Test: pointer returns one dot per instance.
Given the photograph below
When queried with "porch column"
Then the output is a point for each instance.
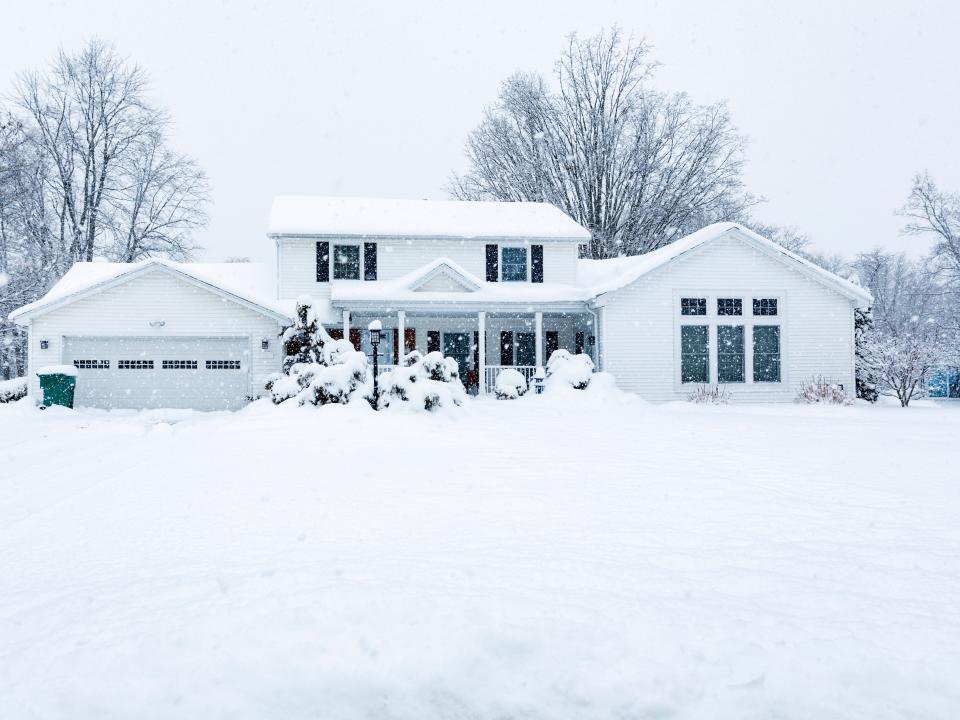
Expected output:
(346, 324)
(482, 351)
(538, 343)
(401, 331)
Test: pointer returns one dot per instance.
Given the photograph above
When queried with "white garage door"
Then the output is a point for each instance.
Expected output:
(153, 372)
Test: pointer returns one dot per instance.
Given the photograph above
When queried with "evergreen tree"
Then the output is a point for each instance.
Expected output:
(866, 382)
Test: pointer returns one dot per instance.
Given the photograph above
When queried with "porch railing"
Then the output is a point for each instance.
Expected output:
(490, 379)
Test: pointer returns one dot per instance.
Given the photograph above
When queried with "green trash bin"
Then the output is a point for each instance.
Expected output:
(58, 383)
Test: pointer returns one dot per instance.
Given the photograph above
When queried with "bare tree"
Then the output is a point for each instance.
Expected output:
(86, 171)
(639, 168)
(161, 204)
(930, 211)
(113, 186)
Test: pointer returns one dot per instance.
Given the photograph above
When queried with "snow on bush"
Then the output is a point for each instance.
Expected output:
(510, 384)
(13, 390)
(707, 395)
(317, 369)
(566, 369)
(423, 382)
(819, 391)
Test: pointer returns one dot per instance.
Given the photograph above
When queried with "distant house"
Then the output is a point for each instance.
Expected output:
(492, 285)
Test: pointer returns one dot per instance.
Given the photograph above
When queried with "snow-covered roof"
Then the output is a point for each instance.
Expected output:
(253, 283)
(604, 276)
(378, 217)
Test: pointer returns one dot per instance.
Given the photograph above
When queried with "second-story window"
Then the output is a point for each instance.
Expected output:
(514, 265)
(346, 262)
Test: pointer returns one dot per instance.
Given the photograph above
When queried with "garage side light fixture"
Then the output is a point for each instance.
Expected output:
(157, 323)
(264, 344)
(44, 344)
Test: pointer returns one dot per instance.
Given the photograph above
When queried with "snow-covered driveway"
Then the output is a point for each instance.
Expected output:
(514, 560)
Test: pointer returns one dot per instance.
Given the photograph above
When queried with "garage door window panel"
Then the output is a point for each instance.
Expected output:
(135, 365)
(222, 364)
(178, 365)
(92, 364)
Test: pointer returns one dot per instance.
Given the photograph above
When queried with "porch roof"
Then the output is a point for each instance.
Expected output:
(472, 292)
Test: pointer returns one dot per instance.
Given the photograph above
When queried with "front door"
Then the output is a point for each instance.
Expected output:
(457, 346)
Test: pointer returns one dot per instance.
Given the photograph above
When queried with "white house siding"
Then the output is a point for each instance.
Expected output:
(297, 258)
(640, 328)
(129, 308)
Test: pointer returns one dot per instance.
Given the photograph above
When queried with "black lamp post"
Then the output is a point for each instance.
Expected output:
(375, 328)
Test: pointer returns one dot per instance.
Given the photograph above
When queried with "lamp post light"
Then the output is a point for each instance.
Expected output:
(375, 328)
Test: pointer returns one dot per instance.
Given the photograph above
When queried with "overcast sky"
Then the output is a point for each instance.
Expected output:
(842, 102)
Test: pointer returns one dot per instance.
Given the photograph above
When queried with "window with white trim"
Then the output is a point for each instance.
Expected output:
(729, 306)
(346, 262)
(695, 353)
(764, 306)
(766, 353)
(513, 264)
(693, 306)
(730, 354)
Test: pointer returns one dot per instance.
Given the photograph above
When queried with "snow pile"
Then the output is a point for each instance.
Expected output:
(820, 391)
(58, 370)
(706, 395)
(510, 384)
(317, 369)
(423, 382)
(567, 370)
(13, 390)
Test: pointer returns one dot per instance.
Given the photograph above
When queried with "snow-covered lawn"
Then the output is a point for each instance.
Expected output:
(522, 559)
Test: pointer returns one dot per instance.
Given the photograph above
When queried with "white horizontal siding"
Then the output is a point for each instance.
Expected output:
(297, 260)
(640, 336)
(129, 308)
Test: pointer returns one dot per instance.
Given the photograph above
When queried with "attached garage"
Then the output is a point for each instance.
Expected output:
(159, 334)
(203, 373)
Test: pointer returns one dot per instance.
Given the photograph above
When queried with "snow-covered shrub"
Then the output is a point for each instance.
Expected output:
(316, 368)
(510, 384)
(817, 390)
(566, 369)
(425, 382)
(710, 395)
(13, 390)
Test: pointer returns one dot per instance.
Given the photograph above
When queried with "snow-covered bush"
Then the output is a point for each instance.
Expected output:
(510, 384)
(316, 368)
(710, 395)
(819, 391)
(13, 390)
(425, 382)
(566, 369)
(900, 364)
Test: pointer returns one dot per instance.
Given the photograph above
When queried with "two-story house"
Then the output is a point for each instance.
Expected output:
(492, 285)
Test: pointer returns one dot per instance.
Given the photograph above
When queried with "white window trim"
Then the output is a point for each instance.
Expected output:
(748, 320)
(333, 259)
(500, 263)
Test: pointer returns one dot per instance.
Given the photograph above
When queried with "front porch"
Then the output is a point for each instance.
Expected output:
(483, 343)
